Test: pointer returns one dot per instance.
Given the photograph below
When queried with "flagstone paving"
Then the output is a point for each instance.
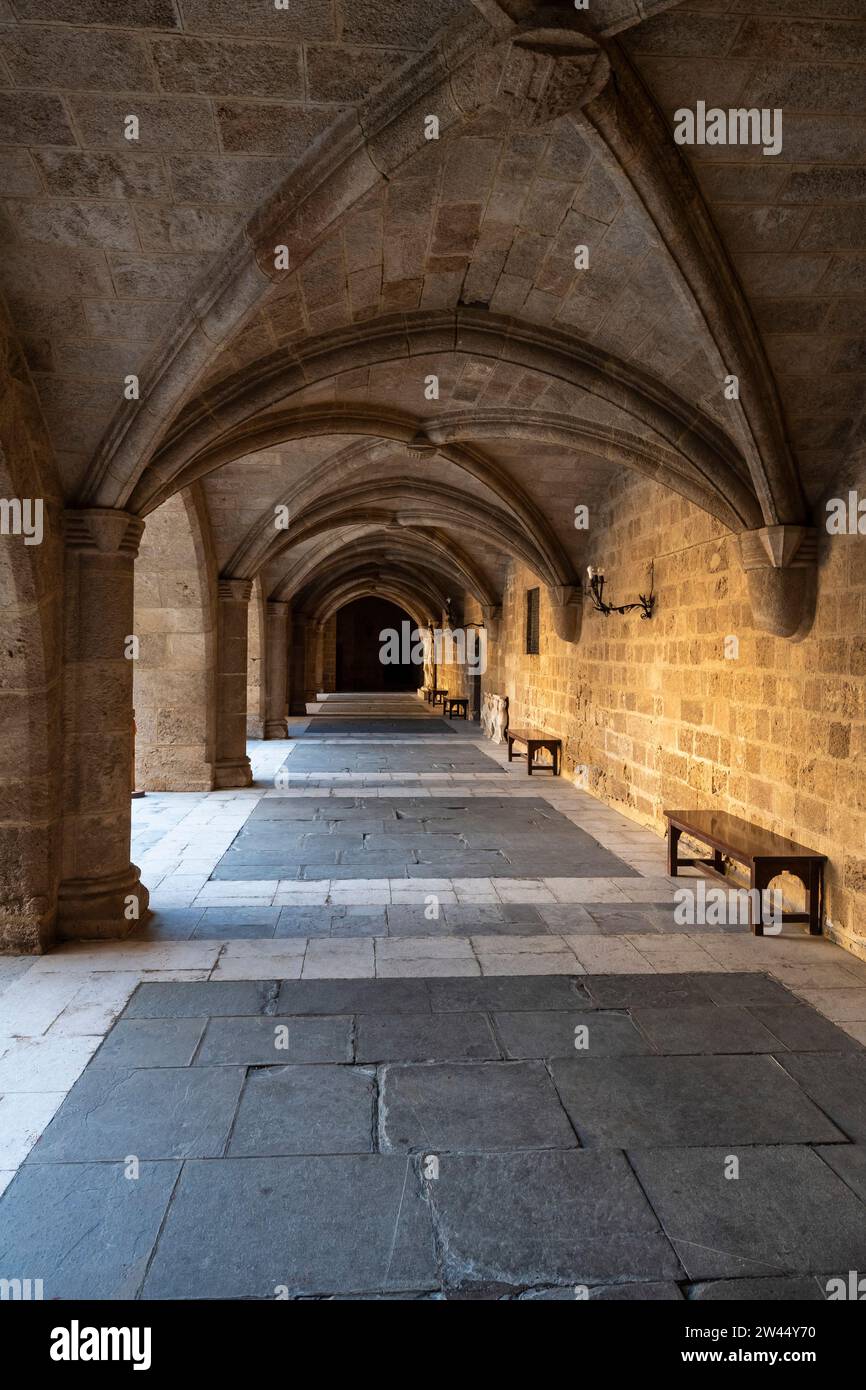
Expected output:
(528, 1137)
(467, 1045)
(486, 837)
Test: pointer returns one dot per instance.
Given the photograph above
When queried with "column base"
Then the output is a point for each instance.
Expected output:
(276, 728)
(232, 772)
(25, 934)
(101, 908)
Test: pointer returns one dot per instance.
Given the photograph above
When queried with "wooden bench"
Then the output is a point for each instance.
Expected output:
(460, 703)
(535, 739)
(434, 695)
(764, 854)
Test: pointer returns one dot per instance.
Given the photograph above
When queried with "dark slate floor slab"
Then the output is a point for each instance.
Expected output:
(568, 917)
(200, 998)
(353, 996)
(806, 1289)
(352, 1224)
(305, 1110)
(238, 917)
(274, 1041)
(224, 931)
(545, 1218)
(414, 837)
(383, 728)
(742, 987)
(307, 921)
(849, 1161)
(836, 1083)
(404, 757)
(85, 1229)
(328, 1202)
(606, 1293)
(554, 1033)
(712, 1029)
(645, 991)
(645, 1101)
(786, 1213)
(454, 1107)
(619, 922)
(413, 921)
(236, 923)
(167, 923)
(501, 920)
(151, 1042)
(424, 1038)
(803, 1029)
(360, 921)
(507, 992)
(152, 1113)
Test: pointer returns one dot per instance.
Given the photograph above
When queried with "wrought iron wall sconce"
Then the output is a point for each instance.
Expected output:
(645, 602)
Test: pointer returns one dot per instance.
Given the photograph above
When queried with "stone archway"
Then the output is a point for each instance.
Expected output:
(360, 624)
(173, 686)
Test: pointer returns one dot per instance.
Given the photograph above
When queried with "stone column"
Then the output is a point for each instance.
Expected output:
(306, 660)
(232, 767)
(276, 669)
(100, 891)
(296, 665)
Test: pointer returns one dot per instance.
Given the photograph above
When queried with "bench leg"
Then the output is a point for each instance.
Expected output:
(674, 834)
(816, 899)
(510, 750)
(759, 878)
(530, 756)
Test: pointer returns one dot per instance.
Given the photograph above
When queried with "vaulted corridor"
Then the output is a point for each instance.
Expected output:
(432, 649)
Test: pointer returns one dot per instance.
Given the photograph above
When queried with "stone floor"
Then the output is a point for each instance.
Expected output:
(370, 837)
(508, 1137)
(378, 955)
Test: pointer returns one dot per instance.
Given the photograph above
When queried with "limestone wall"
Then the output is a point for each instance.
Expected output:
(659, 716)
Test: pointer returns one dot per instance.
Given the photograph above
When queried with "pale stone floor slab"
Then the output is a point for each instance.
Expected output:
(510, 1136)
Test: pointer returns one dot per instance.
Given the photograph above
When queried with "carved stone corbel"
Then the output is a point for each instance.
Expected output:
(492, 616)
(780, 564)
(566, 602)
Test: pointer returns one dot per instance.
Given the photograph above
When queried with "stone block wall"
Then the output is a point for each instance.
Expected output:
(696, 706)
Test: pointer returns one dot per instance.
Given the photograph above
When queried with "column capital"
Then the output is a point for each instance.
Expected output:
(277, 610)
(234, 590)
(102, 531)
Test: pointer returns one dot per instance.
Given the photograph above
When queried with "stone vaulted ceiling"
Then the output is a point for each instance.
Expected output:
(793, 224)
(409, 259)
